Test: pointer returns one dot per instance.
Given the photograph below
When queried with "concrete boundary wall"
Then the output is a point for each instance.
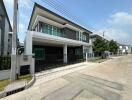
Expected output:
(4, 74)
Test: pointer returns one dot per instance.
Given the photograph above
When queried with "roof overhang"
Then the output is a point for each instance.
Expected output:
(54, 23)
(44, 12)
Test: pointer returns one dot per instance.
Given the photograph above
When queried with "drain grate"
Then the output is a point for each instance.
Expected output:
(14, 91)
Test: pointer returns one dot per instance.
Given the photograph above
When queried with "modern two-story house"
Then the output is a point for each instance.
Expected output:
(5, 29)
(54, 39)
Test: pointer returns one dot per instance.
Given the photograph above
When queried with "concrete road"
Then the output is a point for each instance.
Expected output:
(111, 80)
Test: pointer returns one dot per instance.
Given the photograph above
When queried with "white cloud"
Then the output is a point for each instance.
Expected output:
(120, 27)
(9, 2)
(24, 10)
(21, 27)
(122, 21)
(23, 17)
(24, 3)
(21, 32)
(11, 21)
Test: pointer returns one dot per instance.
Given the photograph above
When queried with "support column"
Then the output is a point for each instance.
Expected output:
(28, 43)
(84, 52)
(65, 53)
(86, 57)
(32, 67)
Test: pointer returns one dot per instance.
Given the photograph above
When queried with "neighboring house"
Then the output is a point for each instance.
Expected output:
(20, 48)
(54, 39)
(93, 37)
(5, 29)
(124, 49)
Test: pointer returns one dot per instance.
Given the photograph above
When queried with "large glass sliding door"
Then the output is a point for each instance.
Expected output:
(80, 36)
(56, 31)
(49, 29)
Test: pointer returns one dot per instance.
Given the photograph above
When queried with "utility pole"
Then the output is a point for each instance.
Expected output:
(103, 34)
(14, 45)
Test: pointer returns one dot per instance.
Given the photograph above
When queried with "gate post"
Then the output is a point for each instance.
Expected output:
(86, 56)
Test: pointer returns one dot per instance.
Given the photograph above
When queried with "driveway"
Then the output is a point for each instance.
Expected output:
(110, 80)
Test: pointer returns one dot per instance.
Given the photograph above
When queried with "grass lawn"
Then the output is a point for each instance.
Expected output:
(25, 77)
(98, 60)
(4, 83)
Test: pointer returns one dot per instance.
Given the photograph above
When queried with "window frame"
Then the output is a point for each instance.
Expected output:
(38, 50)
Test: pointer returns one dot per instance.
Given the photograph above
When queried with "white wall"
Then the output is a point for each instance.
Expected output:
(129, 50)
(6, 37)
(4, 74)
(28, 43)
(87, 49)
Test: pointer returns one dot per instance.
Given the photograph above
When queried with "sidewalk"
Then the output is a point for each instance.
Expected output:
(59, 72)
(50, 81)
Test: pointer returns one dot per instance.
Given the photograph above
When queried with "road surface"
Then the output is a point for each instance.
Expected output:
(110, 80)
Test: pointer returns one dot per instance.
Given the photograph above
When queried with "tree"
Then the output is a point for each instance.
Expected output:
(99, 46)
(113, 47)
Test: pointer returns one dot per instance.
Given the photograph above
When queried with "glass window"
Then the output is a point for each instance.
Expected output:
(49, 29)
(77, 35)
(39, 53)
(84, 37)
(45, 28)
(78, 51)
(80, 36)
(54, 31)
(58, 32)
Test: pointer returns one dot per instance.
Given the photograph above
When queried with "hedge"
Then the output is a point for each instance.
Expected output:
(5, 62)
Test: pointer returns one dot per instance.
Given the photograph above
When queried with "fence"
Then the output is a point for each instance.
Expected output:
(89, 56)
(5, 62)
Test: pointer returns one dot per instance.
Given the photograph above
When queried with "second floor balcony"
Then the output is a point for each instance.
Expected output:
(50, 27)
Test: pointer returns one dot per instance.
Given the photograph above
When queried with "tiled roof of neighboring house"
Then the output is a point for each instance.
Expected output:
(6, 13)
(95, 36)
(41, 7)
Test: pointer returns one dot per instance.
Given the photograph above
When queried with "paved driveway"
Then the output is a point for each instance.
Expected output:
(111, 80)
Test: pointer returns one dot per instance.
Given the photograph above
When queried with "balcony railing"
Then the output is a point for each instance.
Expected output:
(60, 34)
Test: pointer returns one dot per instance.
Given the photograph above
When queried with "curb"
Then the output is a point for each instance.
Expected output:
(28, 85)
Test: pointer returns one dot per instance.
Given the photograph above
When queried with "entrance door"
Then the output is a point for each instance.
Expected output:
(74, 54)
(71, 55)
(39, 53)
(39, 58)
(47, 57)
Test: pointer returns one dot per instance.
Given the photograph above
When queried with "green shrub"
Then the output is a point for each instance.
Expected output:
(5, 62)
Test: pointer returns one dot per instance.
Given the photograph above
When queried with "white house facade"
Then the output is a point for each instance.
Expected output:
(54, 39)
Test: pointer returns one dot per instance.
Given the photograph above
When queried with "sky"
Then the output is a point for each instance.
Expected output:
(113, 17)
